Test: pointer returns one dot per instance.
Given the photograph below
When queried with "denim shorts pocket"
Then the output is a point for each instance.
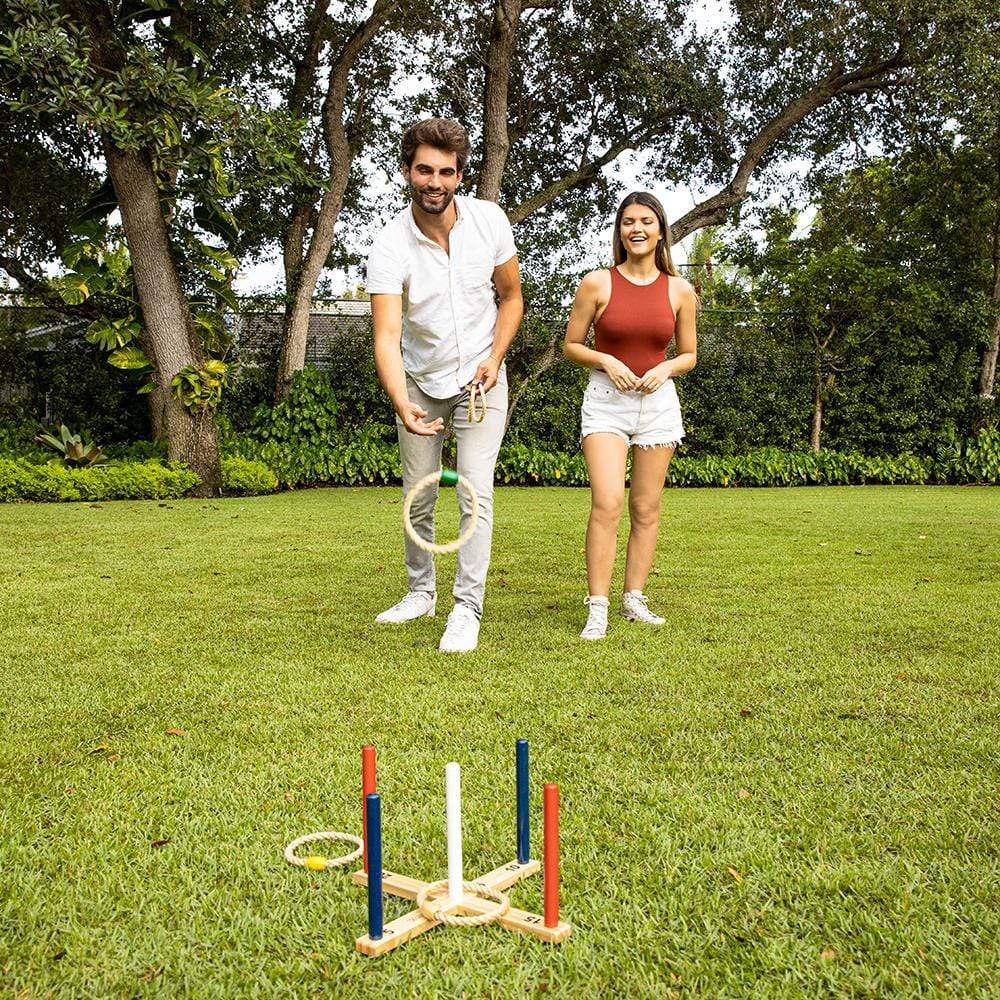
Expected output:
(595, 390)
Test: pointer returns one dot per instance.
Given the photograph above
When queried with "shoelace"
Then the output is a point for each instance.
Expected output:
(643, 606)
(461, 616)
(597, 617)
(410, 600)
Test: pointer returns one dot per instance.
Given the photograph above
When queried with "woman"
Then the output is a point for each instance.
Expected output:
(636, 308)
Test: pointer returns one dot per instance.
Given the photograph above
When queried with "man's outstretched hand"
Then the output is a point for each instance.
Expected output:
(413, 415)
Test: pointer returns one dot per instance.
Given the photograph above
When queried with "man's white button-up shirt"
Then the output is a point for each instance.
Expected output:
(449, 309)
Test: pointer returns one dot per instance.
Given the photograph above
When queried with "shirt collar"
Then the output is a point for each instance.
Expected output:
(415, 229)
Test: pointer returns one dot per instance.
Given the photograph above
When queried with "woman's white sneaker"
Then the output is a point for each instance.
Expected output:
(635, 608)
(461, 634)
(416, 604)
(597, 618)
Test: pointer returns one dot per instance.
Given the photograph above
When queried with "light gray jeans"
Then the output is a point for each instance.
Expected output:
(477, 447)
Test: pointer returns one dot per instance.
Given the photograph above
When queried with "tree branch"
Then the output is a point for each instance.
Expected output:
(496, 138)
(582, 175)
(305, 67)
(714, 210)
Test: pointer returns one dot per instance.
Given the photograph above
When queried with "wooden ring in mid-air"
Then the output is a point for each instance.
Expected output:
(446, 477)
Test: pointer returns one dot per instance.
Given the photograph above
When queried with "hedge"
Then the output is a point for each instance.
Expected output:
(370, 459)
(153, 480)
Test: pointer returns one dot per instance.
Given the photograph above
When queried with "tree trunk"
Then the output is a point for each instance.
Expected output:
(306, 267)
(158, 413)
(817, 417)
(496, 142)
(295, 332)
(988, 371)
(169, 331)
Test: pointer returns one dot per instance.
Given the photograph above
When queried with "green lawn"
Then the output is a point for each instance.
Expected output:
(790, 790)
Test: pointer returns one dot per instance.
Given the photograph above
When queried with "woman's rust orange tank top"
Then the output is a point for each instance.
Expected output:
(638, 322)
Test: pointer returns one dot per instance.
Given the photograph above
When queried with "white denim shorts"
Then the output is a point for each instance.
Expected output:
(642, 419)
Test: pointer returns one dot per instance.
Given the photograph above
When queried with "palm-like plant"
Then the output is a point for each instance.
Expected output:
(72, 449)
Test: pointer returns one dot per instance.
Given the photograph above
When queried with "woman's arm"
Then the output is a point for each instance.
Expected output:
(581, 318)
(685, 334)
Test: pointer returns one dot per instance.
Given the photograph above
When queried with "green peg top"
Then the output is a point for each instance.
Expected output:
(449, 477)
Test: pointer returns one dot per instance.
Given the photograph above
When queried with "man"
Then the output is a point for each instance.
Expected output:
(438, 332)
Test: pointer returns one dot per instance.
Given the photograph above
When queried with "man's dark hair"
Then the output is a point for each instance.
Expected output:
(441, 133)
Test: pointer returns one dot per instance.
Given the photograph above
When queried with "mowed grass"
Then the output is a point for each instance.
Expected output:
(793, 789)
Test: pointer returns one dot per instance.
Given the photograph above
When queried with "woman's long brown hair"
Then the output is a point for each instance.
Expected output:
(664, 259)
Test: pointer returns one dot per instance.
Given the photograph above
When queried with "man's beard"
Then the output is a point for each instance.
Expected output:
(431, 208)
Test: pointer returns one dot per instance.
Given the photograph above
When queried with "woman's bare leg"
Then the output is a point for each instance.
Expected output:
(606, 455)
(649, 470)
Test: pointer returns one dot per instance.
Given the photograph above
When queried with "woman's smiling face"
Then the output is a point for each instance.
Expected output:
(639, 229)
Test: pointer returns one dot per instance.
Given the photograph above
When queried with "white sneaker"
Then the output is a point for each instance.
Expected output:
(597, 618)
(635, 608)
(461, 634)
(416, 604)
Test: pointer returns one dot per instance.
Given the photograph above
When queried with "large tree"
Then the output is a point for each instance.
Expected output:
(131, 82)
(353, 93)
(556, 92)
(332, 69)
(883, 297)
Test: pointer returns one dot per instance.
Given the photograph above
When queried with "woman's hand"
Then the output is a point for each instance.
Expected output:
(654, 378)
(623, 378)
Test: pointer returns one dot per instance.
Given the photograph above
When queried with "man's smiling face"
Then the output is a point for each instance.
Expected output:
(433, 178)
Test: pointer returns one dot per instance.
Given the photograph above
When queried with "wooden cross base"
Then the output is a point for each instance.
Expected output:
(408, 926)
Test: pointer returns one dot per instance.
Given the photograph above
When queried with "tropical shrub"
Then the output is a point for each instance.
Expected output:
(153, 480)
(20, 480)
(246, 477)
(71, 450)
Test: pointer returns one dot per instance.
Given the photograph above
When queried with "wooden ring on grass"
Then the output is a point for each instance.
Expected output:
(448, 478)
(431, 907)
(316, 863)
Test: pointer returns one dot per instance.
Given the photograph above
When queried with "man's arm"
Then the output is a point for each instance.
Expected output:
(387, 320)
(507, 279)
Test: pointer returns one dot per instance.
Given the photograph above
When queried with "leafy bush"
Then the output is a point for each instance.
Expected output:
(137, 451)
(153, 480)
(774, 467)
(245, 477)
(17, 440)
(62, 378)
(523, 465)
(302, 439)
(20, 480)
(368, 458)
(981, 458)
(976, 460)
(365, 457)
(308, 411)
